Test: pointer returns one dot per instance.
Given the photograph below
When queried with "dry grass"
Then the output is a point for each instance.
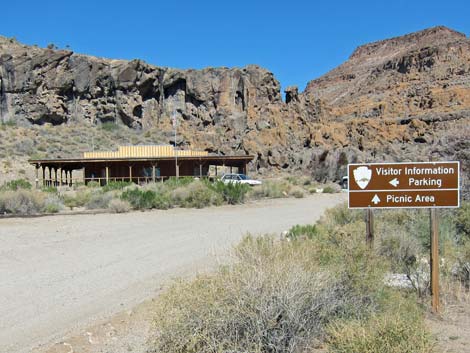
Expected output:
(400, 329)
(275, 297)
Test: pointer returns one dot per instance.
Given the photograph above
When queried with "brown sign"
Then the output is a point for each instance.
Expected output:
(390, 185)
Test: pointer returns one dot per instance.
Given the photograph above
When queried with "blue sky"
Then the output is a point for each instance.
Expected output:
(296, 40)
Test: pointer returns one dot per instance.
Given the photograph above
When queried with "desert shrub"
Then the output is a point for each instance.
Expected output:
(404, 253)
(109, 126)
(274, 297)
(99, 200)
(328, 190)
(299, 180)
(119, 206)
(461, 267)
(173, 182)
(297, 192)
(145, 199)
(116, 185)
(271, 189)
(162, 202)
(49, 189)
(139, 199)
(78, 199)
(22, 202)
(17, 184)
(93, 184)
(340, 215)
(462, 219)
(232, 193)
(400, 329)
(53, 204)
(303, 231)
(196, 194)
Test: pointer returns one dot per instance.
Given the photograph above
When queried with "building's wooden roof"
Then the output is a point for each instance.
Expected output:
(85, 161)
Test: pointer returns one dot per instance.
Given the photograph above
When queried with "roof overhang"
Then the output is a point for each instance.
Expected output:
(85, 161)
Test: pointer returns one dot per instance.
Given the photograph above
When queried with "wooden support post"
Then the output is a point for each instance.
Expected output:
(60, 176)
(153, 173)
(84, 175)
(43, 176)
(49, 181)
(200, 170)
(434, 260)
(215, 170)
(55, 177)
(37, 177)
(130, 173)
(107, 175)
(370, 228)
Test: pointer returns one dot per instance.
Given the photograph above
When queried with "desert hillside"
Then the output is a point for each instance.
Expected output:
(400, 99)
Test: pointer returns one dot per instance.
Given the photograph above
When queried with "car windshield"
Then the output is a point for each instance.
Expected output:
(243, 177)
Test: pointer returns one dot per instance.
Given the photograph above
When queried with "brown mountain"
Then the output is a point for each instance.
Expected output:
(405, 98)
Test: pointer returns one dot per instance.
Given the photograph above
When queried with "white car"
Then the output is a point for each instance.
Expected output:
(239, 179)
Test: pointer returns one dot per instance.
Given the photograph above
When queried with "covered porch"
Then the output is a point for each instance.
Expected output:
(61, 172)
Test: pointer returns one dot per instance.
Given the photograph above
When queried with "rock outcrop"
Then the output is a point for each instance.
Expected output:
(405, 98)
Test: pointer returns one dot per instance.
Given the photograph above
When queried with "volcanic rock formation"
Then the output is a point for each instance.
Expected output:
(401, 99)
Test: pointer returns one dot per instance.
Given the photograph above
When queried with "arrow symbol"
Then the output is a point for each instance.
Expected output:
(394, 182)
(376, 199)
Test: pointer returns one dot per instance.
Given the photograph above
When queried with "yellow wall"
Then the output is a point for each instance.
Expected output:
(144, 152)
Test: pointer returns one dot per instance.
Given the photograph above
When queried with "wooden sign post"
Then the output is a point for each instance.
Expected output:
(370, 228)
(434, 226)
(430, 185)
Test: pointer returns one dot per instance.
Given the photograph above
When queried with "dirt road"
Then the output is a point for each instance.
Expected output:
(61, 273)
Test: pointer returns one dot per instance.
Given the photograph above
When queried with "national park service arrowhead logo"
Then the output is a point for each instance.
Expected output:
(362, 176)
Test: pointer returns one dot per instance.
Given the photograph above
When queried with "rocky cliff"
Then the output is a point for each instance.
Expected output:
(405, 98)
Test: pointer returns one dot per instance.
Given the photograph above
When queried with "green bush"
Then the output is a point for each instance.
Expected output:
(232, 193)
(400, 329)
(196, 194)
(139, 199)
(145, 199)
(298, 231)
(49, 189)
(162, 202)
(78, 199)
(109, 126)
(328, 190)
(17, 184)
(116, 185)
(173, 182)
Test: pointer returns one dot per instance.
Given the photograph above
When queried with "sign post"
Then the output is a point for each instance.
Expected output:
(370, 228)
(434, 260)
(430, 185)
